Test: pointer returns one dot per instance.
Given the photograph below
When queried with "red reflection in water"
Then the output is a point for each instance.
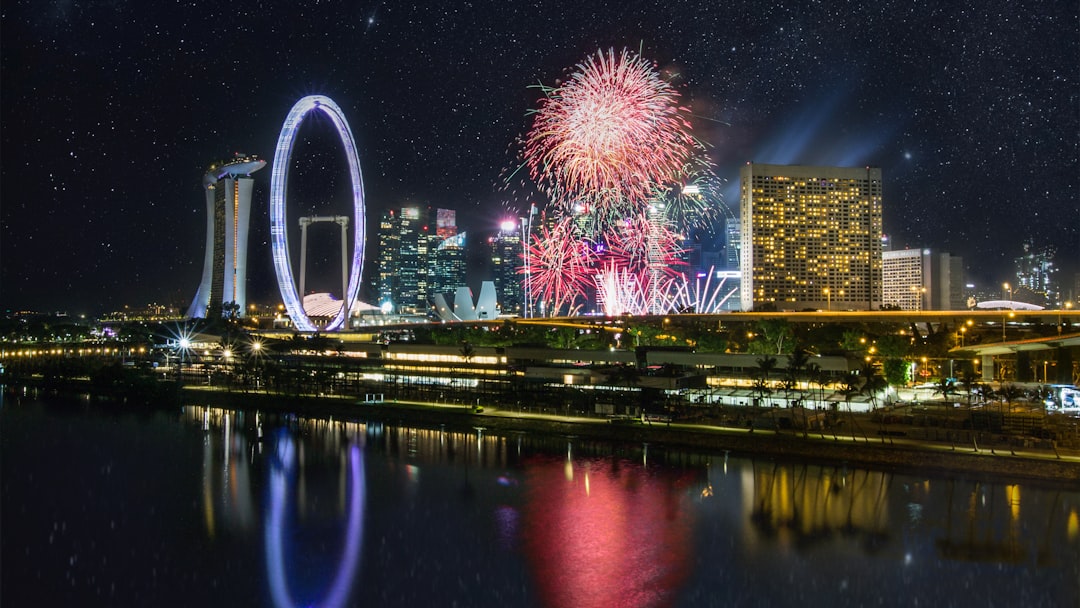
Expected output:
(609, 535)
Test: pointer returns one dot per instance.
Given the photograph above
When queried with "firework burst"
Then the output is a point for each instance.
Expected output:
(645, 240)
(692, 200)
(560, 268)
(609, 136)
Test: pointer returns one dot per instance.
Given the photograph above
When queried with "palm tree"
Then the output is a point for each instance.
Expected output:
(765, 366)
(971, 384)
(873, 383)
(851, 386)
(1010, 393)
(816, 375)
(945, 387)
(797, 362)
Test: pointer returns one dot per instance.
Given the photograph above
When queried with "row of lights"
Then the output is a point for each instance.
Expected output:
(38, 352)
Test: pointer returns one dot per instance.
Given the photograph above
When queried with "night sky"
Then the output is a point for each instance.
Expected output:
(111, 112)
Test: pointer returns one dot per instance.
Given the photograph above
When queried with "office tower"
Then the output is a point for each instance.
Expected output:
(919, 279)
(505, 249)
(446, 267)
(228, 187)
(400, 246)
(1037, 274)
(811, 237)
(389, 250)
(732, 243)
(420, 253)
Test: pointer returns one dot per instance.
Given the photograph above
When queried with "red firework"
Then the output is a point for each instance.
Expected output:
(639, 243)
(558, 270)
(608, 136)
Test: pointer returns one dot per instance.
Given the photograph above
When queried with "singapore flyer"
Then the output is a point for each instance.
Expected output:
(279, 241)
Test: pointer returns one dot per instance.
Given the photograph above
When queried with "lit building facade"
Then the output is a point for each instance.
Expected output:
(919, 279)
(810, 237)
(421, 253)
(228, 187)
(1036, 272)
(447, 264)
(505, 249)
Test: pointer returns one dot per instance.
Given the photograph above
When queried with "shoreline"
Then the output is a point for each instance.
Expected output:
(901, 455)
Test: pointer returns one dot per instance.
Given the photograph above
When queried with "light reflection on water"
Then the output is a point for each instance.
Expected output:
(322, 512)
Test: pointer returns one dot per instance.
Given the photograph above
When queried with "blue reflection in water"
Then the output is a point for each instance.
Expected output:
(282, 478)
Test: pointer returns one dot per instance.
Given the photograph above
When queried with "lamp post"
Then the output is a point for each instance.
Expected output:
(1068, 307)
(828, 298)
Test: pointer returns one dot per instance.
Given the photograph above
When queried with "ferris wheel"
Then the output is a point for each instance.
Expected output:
(279, 241)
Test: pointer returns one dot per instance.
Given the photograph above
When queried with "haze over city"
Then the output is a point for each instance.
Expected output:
(112, 113)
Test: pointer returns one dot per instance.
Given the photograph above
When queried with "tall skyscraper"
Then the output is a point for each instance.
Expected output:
(506, 264)
(1036, 272)
(447, 264)
(919, 279)
(228, 187)
(399, 260)
(811, 237)
(420, 254)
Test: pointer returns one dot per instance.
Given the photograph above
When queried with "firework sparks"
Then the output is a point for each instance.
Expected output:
(619, 292)
(560, 268)
(645, 240)
(613, 151)
(609, 136)
(693, 199)
(699, 296)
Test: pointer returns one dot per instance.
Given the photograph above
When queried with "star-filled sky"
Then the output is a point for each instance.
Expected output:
(111, 112)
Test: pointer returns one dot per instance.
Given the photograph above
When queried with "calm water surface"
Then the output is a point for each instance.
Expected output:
(205, 506)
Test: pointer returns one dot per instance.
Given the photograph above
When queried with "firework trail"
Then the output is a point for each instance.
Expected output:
(560, 271)
(644, 239)
(619, 292)
(609, 136)
(701, 296)
(692, 200)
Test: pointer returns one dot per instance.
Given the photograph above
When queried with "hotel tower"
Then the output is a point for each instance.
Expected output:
(811, 237)
(228, 210)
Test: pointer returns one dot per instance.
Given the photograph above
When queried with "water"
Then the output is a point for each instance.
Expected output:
(104, 507)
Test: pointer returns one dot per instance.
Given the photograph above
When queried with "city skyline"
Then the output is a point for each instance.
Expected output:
(969, 110)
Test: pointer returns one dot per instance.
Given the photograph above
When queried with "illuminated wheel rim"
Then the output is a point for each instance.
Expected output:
(279, 240)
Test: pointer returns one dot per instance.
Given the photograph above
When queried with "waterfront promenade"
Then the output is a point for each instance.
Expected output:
(907, 447)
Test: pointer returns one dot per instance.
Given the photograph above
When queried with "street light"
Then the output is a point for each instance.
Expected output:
(1068, 307)
(828, 297)
(920, 293)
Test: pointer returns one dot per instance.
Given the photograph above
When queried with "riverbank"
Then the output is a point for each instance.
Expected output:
(1058, 467)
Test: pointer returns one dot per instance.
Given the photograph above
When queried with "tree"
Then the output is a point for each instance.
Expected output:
(773, 337)
(851, 386)
(712, 342)
(971, 383)
(467, 352)
(762, 387)
(945, 387)
(1009, 393)
(873, 382)
(819, 377)
(796, 363)
(894, 349)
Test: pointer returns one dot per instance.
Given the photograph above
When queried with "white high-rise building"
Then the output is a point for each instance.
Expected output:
(919, 279)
